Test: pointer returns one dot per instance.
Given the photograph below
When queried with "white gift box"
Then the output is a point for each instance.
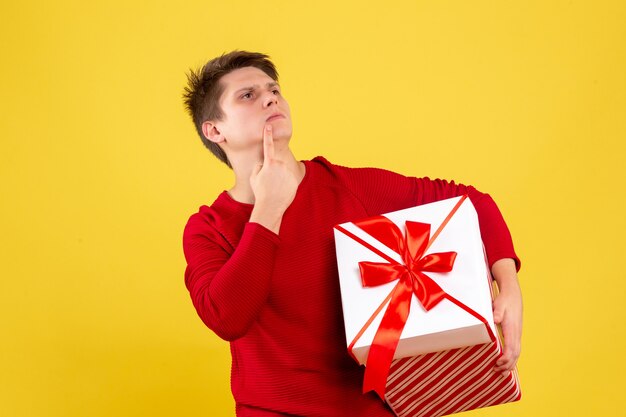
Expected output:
(448, 325)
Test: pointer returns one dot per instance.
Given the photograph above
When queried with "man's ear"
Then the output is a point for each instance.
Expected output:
(211, 132)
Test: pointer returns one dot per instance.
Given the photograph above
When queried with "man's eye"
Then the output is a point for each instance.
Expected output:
(276, 92)
(247, 95)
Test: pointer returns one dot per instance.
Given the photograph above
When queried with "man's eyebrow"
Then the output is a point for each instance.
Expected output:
(255, 86)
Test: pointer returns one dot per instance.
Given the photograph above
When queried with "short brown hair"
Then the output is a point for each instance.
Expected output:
(204, 90)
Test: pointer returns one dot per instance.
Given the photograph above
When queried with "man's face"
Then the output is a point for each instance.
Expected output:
(250, 100)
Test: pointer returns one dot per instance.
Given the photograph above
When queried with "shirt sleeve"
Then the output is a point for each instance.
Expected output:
(228, 290)
(382, 191)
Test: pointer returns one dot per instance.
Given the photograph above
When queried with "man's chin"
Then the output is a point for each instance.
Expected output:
(281, 134)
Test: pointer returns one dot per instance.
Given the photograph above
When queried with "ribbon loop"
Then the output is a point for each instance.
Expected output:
(376, 273)
(385, 231)
(417, 235)
(437, 262)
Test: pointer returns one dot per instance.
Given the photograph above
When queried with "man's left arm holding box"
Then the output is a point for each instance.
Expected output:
(381, 191)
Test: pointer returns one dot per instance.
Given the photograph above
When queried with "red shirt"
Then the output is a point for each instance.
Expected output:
(276, 297)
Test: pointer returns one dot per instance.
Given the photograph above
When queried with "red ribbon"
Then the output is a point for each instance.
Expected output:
(411, 280)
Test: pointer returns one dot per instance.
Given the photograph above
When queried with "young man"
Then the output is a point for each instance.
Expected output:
(261, 266)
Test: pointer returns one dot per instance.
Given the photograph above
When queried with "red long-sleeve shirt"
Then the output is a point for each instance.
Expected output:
(276, 297)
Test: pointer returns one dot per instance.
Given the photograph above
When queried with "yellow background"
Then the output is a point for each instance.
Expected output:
(101, 168)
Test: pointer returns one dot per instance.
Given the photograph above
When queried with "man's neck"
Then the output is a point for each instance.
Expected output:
(242, 191)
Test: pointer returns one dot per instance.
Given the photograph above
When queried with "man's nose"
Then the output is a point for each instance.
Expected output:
(270, 99)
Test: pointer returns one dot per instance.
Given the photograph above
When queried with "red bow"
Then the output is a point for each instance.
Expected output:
(411, 280)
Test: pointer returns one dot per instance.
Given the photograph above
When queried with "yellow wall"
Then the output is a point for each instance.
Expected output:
(100, 169)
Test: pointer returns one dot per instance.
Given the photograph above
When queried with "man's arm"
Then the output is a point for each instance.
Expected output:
(507, 311)
(228, 291)
(382, 191)
(273, 185)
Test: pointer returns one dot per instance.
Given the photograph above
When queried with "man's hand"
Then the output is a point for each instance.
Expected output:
(507, 311)
(273, 184)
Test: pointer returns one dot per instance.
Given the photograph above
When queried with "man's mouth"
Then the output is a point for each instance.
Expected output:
(275, 116)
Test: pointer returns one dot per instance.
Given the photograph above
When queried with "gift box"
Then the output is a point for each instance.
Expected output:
(417, 306)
